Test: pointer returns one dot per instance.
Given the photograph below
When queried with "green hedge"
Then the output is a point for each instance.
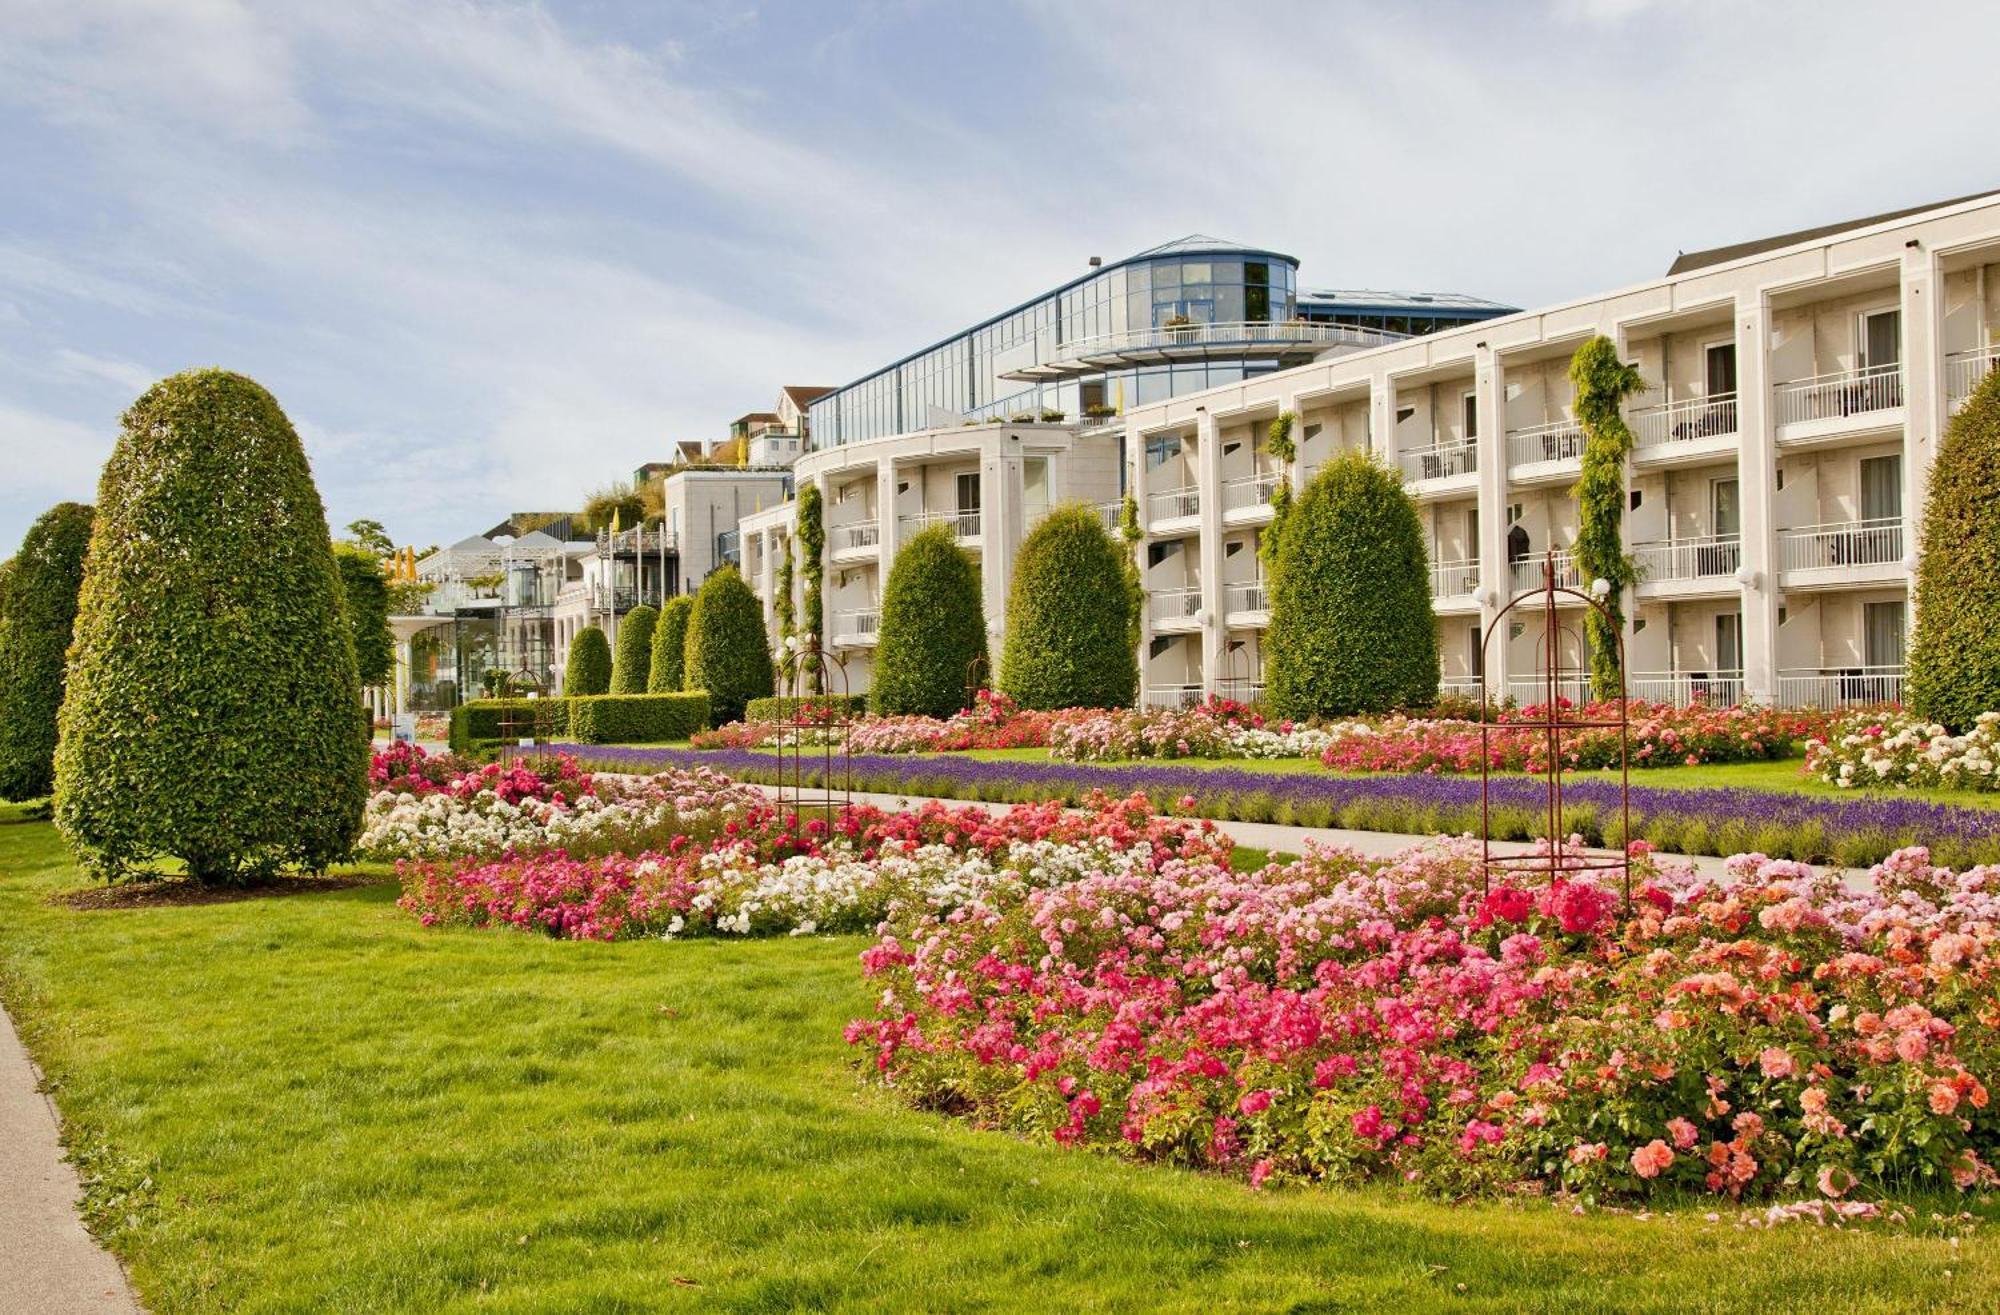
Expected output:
(728, 652)
(37, 616)
(634, 663)
(1955, 654)
(781, 708)
(484, 721)
(637, 718)
(933, 628)
(588, 670)
(364, 599)
(1069, 636)
(670, 646)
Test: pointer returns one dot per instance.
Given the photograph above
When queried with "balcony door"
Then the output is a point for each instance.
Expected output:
(1720, 365)
(1725, 508)
(1882, 626)
(1882, 489)
(1729, 643)
(1881, 339)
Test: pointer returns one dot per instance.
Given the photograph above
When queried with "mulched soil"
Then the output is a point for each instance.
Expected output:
(170, 892)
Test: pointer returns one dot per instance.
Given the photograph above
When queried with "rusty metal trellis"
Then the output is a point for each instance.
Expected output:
(977, 674)
(829, 723)
(527, 720)
(1236, 680)
(1553, 860)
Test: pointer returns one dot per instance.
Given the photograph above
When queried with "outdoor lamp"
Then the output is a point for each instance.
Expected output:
(1601, 587)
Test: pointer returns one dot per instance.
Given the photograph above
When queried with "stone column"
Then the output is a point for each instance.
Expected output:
(1757, 483)
(1208, 485)
(1490, 390)
(1925, 410)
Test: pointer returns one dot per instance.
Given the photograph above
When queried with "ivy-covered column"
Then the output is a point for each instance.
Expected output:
(1603, 381)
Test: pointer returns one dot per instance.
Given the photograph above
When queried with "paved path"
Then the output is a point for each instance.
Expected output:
(48, 1264)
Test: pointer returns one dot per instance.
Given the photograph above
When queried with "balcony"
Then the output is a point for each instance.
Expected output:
(1173, 504)
(1290, 342)
(1112, 514)
(1457, 579)
(729, 548)
(1702, 558)
(1842, 547)
(1526, 574)
(1660, 432)
(1964, 371)
(1174, 608)
(1442, 461)
(1558, 440)
(1720, 689)
(1249, 596)
(964, 524)
(1250, 492)
(857, 626)
(1573, 686)
(1827, 404)
(1840, 688)
(1459, 686)
(1172, 696)
(857, 538)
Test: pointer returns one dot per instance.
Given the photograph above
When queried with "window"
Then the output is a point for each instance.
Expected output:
(1882, 489)
(1472, 532)
(1720, 366)
(1469, 414)
(1882, 634)
(1881, 339)
(1475, 651)
(968, 491)
(1729, 641)
(1725, 508)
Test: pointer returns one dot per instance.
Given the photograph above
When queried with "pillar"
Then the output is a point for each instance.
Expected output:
(1757, 479)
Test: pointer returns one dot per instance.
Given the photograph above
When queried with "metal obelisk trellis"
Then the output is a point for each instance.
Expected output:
(808, 667)
(1554, 861)
(976, 677)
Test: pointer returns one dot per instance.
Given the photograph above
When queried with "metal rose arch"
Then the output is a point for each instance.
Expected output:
(1553, 861)
(828, 725)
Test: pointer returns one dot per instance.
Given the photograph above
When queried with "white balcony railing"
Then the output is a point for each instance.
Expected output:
(1439, 462)
(1250, 596)
(1172, 696)
(1854, 543)
(1165, 341)
(1558, 440)
(1840, 687)
(1173, 504)
(1455, 579)
(964, 524)
(1688, 559)
(1841, 393)
(1526, 574)
(857, 626)
(1964, 370)
(1250, 491)
(1463, 686)
(1713, 416)
(1166, 606)
(1573, 686)
(1112, 514)
(850, 537)
(1718, 689)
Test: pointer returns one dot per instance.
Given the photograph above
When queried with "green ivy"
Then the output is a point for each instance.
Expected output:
(1603, 382)
(364, 594)
(787, 610)
(933, 628)
(1955, 654)
(632, 667)
(37, 616)
(1130, 535)
(588, 670)
(668, 674)
(1065, 648)
(812, 551)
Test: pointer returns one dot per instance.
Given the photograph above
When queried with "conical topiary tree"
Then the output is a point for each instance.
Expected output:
(212, 712)
(728, 653)
(1603, 382)
(588, 670)
(1068, 641)
(1351, 624)
(669, 670)
(633, 667)
(37, 614)
(1954, 663)
(364, 596)
(933, 628)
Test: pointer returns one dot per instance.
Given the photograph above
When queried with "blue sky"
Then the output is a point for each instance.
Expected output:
(490, 256)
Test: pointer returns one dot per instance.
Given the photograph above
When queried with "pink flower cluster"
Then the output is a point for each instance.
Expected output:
(402, 768)
(1337, 1018)
(993, 722)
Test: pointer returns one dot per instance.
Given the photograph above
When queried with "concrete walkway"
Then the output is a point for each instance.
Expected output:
(48, 1264)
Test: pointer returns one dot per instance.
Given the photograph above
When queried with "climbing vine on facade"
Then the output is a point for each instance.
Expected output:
(1602, 383)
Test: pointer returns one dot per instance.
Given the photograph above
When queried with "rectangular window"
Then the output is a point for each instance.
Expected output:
(1882, 634)
(1721, 368)
(968, 491)
(1729, 642)
(1469, 415)
(1882, 489)
(1725, 508)
(1881, 339)
(1475, 652)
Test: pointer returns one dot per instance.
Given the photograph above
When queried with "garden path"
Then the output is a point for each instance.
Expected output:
(48, 1263)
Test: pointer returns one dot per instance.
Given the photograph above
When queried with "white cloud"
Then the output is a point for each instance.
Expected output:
(130, 376)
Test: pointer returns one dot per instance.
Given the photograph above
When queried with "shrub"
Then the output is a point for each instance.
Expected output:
(728, 653)
(1603, 382)
(37, 613)
(783, 708)
(589, 668)
(632, 672)
(1351, 625)
(933, 628)
(485, 722)
(364, 596)
(1955, 655)
(670, 646)
(1068, 617)
(637, 718)
(213, 713)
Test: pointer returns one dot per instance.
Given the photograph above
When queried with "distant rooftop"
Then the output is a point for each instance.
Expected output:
(1195, 244)
(1361, 298)
(1693, 260)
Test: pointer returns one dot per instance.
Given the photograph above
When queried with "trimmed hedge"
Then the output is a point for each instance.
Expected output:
(1351, 623)
(212, 711)
(933, 628)
(1068, 639)
(669, 669)
(728, 652)
(588, 670)
(1955, 654)
(634, 665)
(482, 722)
(37, 615)
(637, 718)
(783, 708)
(364, 599)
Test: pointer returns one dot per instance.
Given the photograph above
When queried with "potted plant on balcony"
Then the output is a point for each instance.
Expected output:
(1099, 411)
(1179, 327)
(1050, 416)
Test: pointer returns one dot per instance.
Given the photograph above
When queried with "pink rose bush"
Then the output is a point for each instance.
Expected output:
(1216, 729)
(1892, 749)
(993, 722)
(1347, 1019)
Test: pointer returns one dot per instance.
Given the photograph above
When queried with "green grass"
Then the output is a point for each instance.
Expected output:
(312, 1104)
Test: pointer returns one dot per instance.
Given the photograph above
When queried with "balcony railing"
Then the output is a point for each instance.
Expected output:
(1464, 686)
(1713, 416)
(1841, 393)
(1250, 491)
(1250, 596)
(964, 524)
(1112, 514)
(1455, 579)
(1167, 606)
(1558, 440)
(1172, 696)
(1964, 370)
(1164, 342)
(1575, 687)
(638, 539)
(1526, 574)
(1840, 687)
(1173, 504)
(1854, 543)
(1439, 462)
(1688, 559)
(1718, 689)
(857, 625)
(854, 537)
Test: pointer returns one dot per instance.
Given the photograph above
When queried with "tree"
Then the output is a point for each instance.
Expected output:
(588, 670)
(1603, 382)
(933, 628)
(812, 555)
(364, 594)
(1351, 624)
(370, 536)
(37, 615)
(213, 713)
(618, 502)
(1954, 667)
(633, 670)
(1068, 618)
(668, 674)
(728, 653)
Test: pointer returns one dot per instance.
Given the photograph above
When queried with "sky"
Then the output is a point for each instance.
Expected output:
(491, 256)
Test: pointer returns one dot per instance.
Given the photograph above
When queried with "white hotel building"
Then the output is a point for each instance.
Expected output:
(1798, 387)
